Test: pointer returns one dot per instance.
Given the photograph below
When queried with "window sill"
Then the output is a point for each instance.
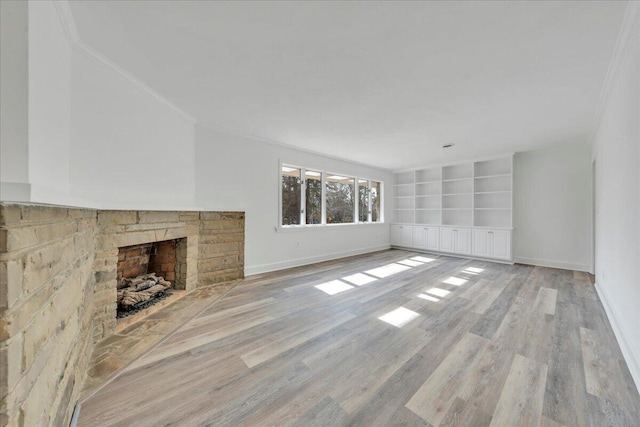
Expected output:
(296, 228)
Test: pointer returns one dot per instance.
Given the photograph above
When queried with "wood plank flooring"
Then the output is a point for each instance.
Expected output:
(391, 338)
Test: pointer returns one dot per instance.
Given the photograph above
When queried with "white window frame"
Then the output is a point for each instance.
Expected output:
(324, 224)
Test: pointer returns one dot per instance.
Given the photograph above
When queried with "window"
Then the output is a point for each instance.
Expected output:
(376, 199)
(340, 198)
(368, 201)
(291, 195)
(314, 197)
(363, 200)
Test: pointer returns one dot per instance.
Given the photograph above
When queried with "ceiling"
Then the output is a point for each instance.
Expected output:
(384, 83)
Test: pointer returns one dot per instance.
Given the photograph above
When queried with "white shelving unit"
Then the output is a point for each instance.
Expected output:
(404, 197)
(457, 195)
(492, 200)
(429, 196)
(467, 205)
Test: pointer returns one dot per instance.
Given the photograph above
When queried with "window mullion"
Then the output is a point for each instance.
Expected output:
(369, 206)
(356, 200)
(303, 196)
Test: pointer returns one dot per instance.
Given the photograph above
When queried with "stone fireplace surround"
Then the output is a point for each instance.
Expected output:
(58, 291)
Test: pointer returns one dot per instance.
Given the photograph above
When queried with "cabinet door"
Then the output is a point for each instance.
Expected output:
(432, 238)
(481, 243)
(447, 239)
(463, 241)
(396, 235)
(501, 247)
(407, 235)
(419, 235)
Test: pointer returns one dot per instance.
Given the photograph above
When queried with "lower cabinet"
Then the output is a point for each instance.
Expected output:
(456, 240)
(425, 237)
(402, 235)
(492, 244)
(477, 242)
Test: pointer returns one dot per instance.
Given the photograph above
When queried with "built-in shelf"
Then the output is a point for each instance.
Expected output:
(474, 194)
(492, 176)
(457, 179)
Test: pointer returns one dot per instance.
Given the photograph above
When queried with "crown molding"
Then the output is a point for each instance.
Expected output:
(68, 24)
(630, 24)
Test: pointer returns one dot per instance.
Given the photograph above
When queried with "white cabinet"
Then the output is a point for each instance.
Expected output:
(426, 238)
(492, 243)
(456, 240)
(402, 235)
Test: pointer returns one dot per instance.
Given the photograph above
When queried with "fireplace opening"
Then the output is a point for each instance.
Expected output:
(148, 273)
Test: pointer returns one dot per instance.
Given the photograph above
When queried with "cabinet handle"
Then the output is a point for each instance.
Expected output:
(455, 229)
(491, 232)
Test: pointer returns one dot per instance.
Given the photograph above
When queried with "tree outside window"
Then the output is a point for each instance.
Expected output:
(313, 196)
(340, 192)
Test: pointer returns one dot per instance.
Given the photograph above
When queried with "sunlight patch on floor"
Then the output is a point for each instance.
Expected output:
(387, 270)
(333, 287)
(455, 281)
(410, 263)
(428, 297)
(438, 292)
(359, 279)
(422, 259)
(399, 317)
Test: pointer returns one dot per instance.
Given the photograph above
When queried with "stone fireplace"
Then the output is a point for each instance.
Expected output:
(142, 272)
(58, 289)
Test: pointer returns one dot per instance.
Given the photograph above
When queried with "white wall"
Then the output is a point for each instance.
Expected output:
(78, 130)
(617, 155)
(238, 173)
(49, 99)
(14, 86)
(128, 149)
(552, 206)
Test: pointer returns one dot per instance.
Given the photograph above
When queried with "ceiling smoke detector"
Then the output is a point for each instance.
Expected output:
(448, 145)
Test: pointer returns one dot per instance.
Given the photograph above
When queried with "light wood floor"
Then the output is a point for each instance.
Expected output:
(391, 338)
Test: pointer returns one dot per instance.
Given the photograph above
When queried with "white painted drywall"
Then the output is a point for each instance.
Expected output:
(128, 149)
(76, 131)
(239, 173)
(14, 132)
(617, 155)
(552, 206)
(49, 99)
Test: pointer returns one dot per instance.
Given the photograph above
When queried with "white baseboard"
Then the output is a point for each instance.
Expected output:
(264, 268)
(633, 360)
(552, 263)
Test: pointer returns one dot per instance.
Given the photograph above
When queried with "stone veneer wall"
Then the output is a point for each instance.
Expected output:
(46, 300)
(58, 291)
